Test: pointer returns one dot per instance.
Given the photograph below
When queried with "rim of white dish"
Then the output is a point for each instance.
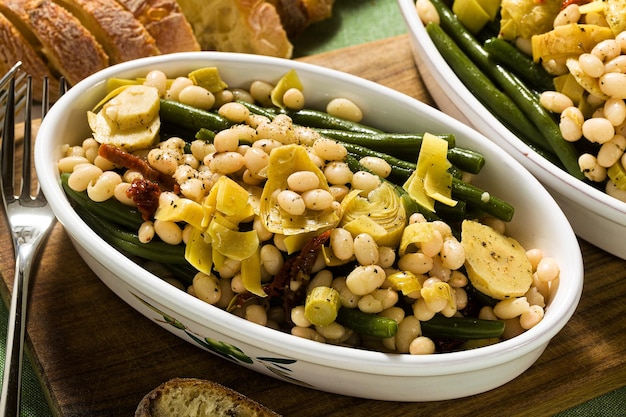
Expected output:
(578, 191)
(275, 341)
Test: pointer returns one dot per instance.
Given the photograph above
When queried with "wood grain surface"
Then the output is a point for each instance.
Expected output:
(97, 357)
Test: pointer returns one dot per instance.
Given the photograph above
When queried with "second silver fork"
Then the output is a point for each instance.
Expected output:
(30, 220)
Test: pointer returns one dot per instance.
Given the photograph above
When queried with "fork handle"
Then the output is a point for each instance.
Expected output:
(12, 378)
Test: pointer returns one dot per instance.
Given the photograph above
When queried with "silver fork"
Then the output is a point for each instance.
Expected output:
(30, 220)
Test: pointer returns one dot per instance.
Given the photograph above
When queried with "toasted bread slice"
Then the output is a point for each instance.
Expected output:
(69, 48)
(166, 23)
(13, 48)
(122, 36)
(200, 398)
(249, 26)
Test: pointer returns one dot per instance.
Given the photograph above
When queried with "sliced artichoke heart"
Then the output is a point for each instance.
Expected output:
(414, 235)
(381, 214)
(231, 243)
(284, 161)
(198, 252)
(182, 210)
(287, 81)
(431, 180)
(129, 120)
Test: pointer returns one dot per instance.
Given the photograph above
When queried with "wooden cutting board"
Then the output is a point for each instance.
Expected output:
(97, 357)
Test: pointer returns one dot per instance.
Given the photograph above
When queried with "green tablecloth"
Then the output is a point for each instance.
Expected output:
(354, 22)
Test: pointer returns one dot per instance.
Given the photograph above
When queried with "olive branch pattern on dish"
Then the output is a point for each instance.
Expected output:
(278, 366)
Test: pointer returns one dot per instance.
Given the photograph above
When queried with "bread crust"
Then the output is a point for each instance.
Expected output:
(13, 48)
(248, 26)
(122, 36)
(166, 22)
(198, 397)
(70, 49)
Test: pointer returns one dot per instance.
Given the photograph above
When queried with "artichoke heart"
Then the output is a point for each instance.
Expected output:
(231, 243)
(381, 214)
(284, 161)
(287, 81)
(129, 120)
(415, 234)
(431, 180)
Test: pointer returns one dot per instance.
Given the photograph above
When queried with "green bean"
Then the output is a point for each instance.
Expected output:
(482, 200)
(110, 210)
(320, 119)
(269, 112)
(390, 143)
(129, 242)
(520, 64)
(484, 89)
(512, 86)
(366, 323)
(191, 118)
(461, 328)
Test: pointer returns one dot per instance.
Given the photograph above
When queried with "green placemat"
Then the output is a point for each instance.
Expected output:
(353, 22)
(34, 403)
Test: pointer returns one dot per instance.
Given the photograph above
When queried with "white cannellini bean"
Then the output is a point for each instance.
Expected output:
(235, 112)
(511, 307)
(317, 199)
(365, 181)
(82, 176)
(610, 152)
(613, 84)
(291, 202)
(196, 96)
(377, 165)
(554, 101)
(168, 231)
(426, 11)
(571, 124)
(226, 162)
(365, 279)
(342, 243)
(365, 249)
(120, 194)
(177, 86)
(302, 181)
(338, 173)
(548, 269)
(293, 99)
(207, 288)
(614, 110)
(617, 64)
(532, 317)
(158, 80)
(570, 14)
(104, 187)
(591, 65)
(598, 130)
(607, 49)
(146, 232)
(344, 108)
(329, 150)
(589, 166)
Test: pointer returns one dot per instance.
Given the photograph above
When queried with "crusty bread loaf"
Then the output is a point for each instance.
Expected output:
(250, 26)
(120, 33)
(297, 15)
(75, 38)
(69, 48)
(199, 398)
(14, 48)
(166, 23)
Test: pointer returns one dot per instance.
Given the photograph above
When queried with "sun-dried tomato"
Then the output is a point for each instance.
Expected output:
(145, 194)
(127, 160)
